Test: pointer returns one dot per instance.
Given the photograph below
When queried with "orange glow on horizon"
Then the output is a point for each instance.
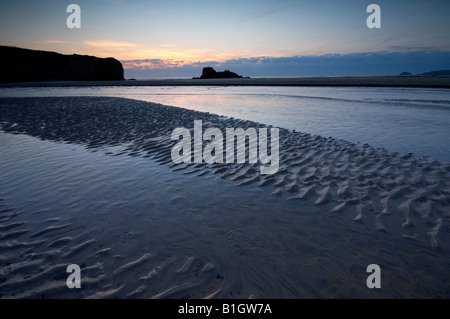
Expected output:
(136, 55)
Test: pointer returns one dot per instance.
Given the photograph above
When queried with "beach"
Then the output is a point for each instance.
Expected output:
(91, 181)
(403, 120)
(224, 158)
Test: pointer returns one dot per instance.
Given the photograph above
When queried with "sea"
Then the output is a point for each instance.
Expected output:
(403, 120)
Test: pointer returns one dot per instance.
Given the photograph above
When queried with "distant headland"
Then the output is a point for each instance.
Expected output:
(431, 73)
(210, 73)
(24, 65)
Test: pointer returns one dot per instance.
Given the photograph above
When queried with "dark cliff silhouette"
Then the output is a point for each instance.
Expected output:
(210, 73)
(24, 65)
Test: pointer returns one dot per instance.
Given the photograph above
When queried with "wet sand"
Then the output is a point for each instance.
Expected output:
(91, 181)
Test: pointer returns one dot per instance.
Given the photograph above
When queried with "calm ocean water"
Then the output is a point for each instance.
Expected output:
(401, 120)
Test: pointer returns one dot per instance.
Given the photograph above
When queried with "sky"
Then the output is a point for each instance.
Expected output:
(253, 38)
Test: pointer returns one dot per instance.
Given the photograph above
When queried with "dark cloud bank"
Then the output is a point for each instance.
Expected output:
(355, 64)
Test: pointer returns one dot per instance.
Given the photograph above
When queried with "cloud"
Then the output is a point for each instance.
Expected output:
(404, 48)
(266, 13)
(96, 27)
(110, 44)
(50, 41)
(353, 64)
(149, 64)
(153, 12)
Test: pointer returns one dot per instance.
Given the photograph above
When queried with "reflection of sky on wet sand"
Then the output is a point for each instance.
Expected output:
(400, 120)
(255, 244)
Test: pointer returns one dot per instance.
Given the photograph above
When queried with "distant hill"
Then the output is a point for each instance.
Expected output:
(437, 73)
(405, 73)
(210, 73)
(24, 65)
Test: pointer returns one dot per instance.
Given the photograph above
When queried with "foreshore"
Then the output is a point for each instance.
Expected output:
(90, 181)
(350, 81)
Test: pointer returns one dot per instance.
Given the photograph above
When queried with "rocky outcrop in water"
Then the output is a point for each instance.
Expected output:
(210, 73)
(24, 65)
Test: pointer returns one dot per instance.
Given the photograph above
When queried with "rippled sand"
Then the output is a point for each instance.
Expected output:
(90, 181)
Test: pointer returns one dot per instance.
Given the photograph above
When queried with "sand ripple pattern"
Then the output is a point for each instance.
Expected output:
(34, 266)
(383, 190)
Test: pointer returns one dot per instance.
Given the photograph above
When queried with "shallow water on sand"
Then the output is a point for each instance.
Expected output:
(403, 120)
(140, 230)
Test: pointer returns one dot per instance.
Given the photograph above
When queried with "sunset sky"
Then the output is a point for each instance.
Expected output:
(262, 37)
